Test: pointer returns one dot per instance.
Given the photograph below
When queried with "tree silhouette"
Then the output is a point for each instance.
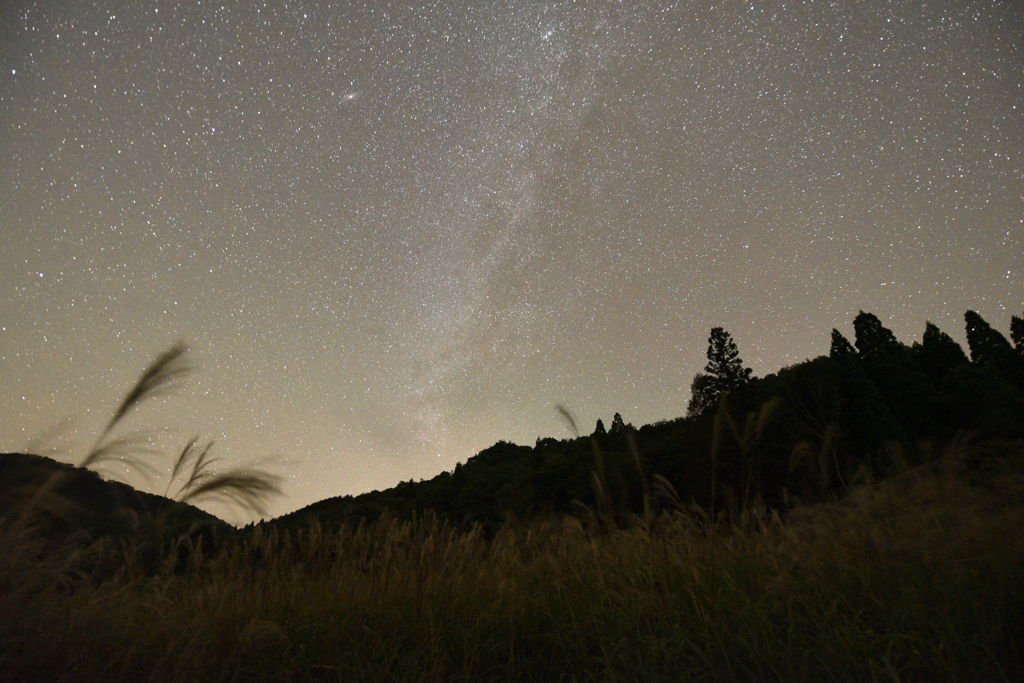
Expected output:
(703, 394)
(833, 423)
(874, 340)
(1017, 333)
(723, 373)
(619, 426)
(724, 363)
(841, 347)
(938, 353)
(988, 346)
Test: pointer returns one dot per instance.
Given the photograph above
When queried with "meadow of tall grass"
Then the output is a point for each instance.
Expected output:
(917, 578)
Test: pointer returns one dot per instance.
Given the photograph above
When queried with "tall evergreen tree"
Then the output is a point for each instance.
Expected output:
(1017, 333)
(599, 430)
(619, 425)
(841, 347)
(988, 345)
(873, 339)
(937, 352)
(724, 372)
(724, 362)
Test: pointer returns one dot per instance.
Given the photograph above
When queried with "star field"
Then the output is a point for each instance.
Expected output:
(393, 234)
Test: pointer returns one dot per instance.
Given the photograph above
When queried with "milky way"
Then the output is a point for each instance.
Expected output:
(392, 234)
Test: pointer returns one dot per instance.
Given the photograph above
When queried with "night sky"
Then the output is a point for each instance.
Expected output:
(393, 234)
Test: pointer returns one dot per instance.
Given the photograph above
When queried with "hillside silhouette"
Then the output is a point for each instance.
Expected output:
(852, 517)
(82, 501)
(867, 410)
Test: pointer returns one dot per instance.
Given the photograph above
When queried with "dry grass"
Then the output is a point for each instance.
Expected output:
(915, 579)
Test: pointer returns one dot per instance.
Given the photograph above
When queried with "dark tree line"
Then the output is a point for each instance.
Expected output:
(864, 411)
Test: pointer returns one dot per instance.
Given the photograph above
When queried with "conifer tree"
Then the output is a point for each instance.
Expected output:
(618, 425)
(988, 346)
(874, 340)
(599, 430)
(841, 347)
(723, 373)
(1017, 333)
(724, 363)
(938, 353)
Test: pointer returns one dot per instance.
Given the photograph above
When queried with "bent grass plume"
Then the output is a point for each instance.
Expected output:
(568, 418)
(597, 476)
(248, 486)
(162, 376)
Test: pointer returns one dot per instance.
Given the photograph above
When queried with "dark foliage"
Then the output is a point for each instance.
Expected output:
(724, 362)
(619, 425)
(61, 504)
(703, 395)
(841, 347)
(79, 498)
(874, 341)
(802, 434)
(937, 353)
(989, 347)
(724, 373)
(831, 411)
(1017, 333)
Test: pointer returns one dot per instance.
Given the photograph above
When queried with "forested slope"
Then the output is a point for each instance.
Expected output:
(869, 409)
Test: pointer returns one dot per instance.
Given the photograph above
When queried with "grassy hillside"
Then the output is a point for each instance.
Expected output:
(801, 435)
(918, 578)
(77, 498)
(854, 517)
